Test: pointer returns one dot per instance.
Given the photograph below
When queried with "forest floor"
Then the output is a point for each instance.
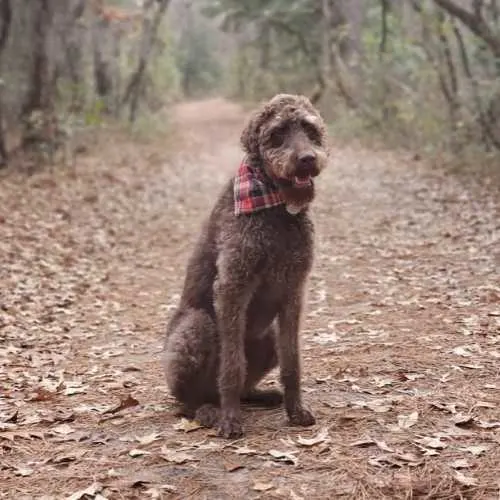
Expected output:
(401, 342)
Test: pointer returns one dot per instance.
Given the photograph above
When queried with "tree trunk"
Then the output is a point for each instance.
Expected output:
(5, 19)
(149, 31)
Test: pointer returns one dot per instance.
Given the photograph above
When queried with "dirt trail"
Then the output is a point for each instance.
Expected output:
(401, 341)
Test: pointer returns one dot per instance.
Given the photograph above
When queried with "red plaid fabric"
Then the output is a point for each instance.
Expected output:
(254, 191)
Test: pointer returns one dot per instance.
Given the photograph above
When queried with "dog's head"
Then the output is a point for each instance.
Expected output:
(287, 138)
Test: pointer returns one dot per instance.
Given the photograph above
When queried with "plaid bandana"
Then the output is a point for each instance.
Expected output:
(254, 191)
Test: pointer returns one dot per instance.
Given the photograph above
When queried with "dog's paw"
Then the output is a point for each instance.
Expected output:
(301, 416)
(207, 415)
(230, 427)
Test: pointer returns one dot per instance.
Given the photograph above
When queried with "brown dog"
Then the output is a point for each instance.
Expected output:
(248, 272)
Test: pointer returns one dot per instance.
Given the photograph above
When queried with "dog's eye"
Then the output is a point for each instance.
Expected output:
(277, 137)
(312, 132)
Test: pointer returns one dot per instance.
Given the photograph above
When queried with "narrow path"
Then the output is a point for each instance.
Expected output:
(401, 341)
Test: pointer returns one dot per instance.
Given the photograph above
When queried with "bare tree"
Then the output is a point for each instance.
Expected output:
(5, 20)
(149, 33)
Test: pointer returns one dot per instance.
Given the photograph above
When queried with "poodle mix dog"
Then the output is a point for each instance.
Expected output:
(239, 314)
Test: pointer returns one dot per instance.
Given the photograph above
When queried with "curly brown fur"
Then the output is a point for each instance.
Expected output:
(240, 310)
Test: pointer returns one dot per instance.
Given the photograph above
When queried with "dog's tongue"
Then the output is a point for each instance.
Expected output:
(302, 181)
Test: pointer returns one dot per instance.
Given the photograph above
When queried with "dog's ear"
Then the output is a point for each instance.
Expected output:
(251, 133)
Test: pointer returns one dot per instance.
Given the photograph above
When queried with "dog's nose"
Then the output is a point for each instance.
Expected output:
(306, 161)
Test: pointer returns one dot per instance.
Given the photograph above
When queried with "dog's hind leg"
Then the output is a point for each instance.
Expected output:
(190, 360)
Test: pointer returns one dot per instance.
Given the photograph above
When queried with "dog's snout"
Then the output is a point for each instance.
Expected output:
(306, 162)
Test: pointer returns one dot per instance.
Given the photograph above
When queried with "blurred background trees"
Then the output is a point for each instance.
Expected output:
(422, 73)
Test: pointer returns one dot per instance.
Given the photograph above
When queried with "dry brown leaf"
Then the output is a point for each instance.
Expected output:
(23, 471)
(395, 460)
(232, 466)
(488, 424)
(407, 421)
(63, 429)
(93, 490)
(42, 395)
(148, 438)
(383, 446)
(262, 486)
(125, 403)
(12, 419)
(465, 480)
(245, 450)
(363, 442)
(449, 407)
(476, 450)
(460, 463)
(462, 420)
(136, 452)
(186, 425)
(432, 442)
(462, 351)
(175, 456)
(294, 496)
(321, 437)
(283, 456)
(71, 391)
(63, 458)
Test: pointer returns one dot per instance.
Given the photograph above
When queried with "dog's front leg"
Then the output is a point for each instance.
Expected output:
(289, 357)
(231, 301)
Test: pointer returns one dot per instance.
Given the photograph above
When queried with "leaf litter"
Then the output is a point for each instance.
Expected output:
(84, 307)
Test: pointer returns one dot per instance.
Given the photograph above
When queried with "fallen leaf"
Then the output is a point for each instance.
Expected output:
(459, 463)
(378, 407)
(244, 450)
(42, 395)
(382, 382)
(136, 452)
(231, 467)
(283, 456)
(148, 438)
(410, 376)
(407, 421)
(127, 402)
(63, 429)
(383, 446)
(432, 442)
(487, 425)
(362, 443)
(462, 351)
(484, 404)
(23, 471)
(476, 450)
(319, 438)
(462, 420)
(395, 460)
(71, 391)
(91, 491)
(13, 418)
(186, 425)
(64, 458)
(262, 486)
(177, 457)
(449, 407)
(465, 480)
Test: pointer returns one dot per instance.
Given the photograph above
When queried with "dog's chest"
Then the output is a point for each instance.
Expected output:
(289, 251)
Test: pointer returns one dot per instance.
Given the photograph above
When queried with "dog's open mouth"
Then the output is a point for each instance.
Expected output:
(302, 181)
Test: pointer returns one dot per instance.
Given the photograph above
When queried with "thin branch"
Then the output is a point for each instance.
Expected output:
(474, 21)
